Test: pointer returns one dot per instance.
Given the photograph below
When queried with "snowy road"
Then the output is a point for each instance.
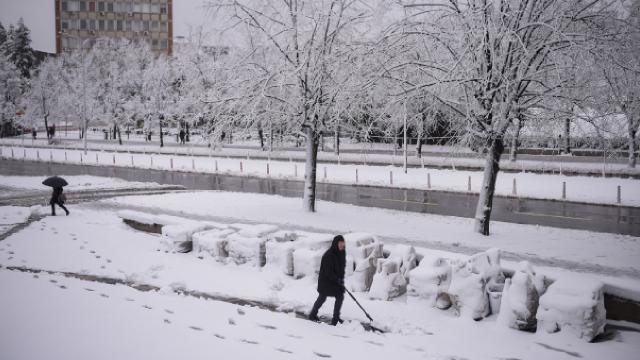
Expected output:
(612, 219)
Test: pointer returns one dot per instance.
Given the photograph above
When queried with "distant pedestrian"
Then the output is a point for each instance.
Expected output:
(58, 198)
(182, 134)
(34, 133)
(331, 279)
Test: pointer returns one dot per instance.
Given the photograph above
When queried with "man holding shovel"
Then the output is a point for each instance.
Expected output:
(331, 279)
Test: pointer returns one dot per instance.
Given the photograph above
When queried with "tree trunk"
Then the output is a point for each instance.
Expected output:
(309, 196)
(119, 134)
(161, 136)
(567, 136)
(485, 200)
(514, 141)
(46, 125)
(336, 139)
(633, 146)
(261, 136)
(115, 131)
(187, 138)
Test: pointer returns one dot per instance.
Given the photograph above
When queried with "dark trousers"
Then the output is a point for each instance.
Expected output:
(53, 207)
(336, 307)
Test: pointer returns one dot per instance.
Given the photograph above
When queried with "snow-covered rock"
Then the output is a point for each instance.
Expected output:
(430, 279)
(467, 292)
(520, 299)
(577, 307)
(388, 282)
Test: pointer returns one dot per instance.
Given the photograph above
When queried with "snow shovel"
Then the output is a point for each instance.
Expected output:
(366, 326)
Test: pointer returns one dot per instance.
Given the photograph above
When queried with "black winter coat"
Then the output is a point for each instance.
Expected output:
(331, 277)
(55, 196)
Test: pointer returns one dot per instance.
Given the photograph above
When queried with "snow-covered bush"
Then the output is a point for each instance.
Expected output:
(242, 249)
(178, 237)
(520, 299)
(363, 250)
(430, 279)
(388, 282)
(280, 255)
(212, 242)
(574, 306)
(467, 292)
(306, 262)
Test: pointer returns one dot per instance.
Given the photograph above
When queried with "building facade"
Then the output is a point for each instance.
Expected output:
(80, 23)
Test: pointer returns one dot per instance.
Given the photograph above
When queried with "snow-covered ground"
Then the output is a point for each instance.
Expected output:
(541, 186)
(74, 319)
(11, 216)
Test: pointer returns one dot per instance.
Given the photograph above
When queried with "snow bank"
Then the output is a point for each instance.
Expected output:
(10, 215)
(306, 262)
(243, 249)
(212, 242)
(574, 306)
(280, 255)
(178, 238)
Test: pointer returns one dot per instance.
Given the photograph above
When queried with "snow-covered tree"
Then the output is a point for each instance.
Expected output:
(18, 48)
(11, 88)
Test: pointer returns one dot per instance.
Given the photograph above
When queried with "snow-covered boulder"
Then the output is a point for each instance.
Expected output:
(520, 299)
(388, 282)
(306, 262)
(430, 279)
(242, 249)
(577, 307)
(467, 292)
(280, 255)
(212, 242)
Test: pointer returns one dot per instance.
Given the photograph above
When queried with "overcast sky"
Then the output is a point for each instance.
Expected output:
(39, 16)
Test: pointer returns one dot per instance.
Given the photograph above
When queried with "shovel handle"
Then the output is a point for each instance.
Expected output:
(356, 300)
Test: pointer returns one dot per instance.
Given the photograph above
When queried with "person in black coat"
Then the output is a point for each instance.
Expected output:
(56, 198)
(331, 279)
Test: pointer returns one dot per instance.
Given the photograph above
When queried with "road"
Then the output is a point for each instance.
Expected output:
(562, 214)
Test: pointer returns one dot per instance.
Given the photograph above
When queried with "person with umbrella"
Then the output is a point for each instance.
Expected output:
(331, 279)
(57, 198)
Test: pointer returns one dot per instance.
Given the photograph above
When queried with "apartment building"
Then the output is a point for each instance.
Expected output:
(80, 23)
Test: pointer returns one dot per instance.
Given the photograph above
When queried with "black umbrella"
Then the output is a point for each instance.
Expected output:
(55, 181)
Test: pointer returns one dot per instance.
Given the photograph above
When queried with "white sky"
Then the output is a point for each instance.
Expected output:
(38, 15)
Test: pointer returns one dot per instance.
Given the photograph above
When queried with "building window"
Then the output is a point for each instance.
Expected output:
(92, 24)
(63, 6)
(92, 6)
(109, 25)
(83, 24)
(154, 43)
(73, 6)
(163, 26)
(137, 8)
(101, 6)
(119, 25)
(163, 44)
(83, 6)
(64, 25)
(145, 25)
(127, 25)
(163, 9)
(110, 7)
(155, 8)
(146, 8)
(101, 25)
(154, 26)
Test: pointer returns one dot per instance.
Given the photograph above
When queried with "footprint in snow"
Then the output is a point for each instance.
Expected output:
(129, 299)
(341, 336)
(374, 343)
(53, 281)
(92, 252)
(87, 289)
(268, 327)
(231, 321)
(11, 253)
(103, 267)
(252, 342)
(295, 336)
(10, 257)
(284, 351)
(167, 321)
(196, 328)
(98, 256)
(240, 311)
(62, 287)
(109, 261)
(219, 336)
(321, 355)
(104, 295)
(147, 307)
(168, 311)
(81, 247)
(35, 276)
